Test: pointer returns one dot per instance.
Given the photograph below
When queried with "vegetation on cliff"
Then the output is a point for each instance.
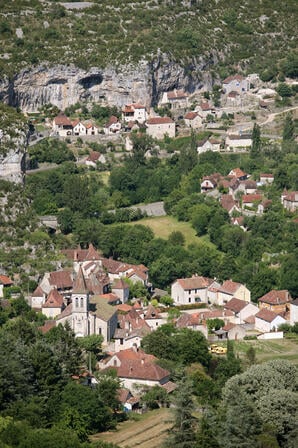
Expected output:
(247, 34)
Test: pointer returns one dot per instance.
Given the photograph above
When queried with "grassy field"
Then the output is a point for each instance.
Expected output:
(267, 350)
(148, 432)
(163, 226)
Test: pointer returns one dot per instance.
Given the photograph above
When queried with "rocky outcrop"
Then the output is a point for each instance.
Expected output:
(63, 85)
(12, 155)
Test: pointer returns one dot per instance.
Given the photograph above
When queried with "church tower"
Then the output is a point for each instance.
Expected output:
(80, 305)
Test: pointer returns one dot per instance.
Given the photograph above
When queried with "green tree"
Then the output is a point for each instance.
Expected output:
(288, 129)
(176, 238)
(182, 434)
(256, 141)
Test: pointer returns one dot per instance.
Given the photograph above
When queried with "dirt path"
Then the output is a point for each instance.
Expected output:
(273, 115)
(149, 432)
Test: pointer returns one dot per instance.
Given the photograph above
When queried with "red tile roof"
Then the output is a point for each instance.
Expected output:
(227, 202)
(195, 282)
(124, 307)
(112, 120)
(229, 287)
(159, 120)
(292, 197)
(5, 281)
(228, 326)
(248, 198)
(120, 284)
(235, 305)
(93, 156)
(237, 172)
(142, 370)
(233, 78)
(61, 279)
(266, 315)
(191, 115)
(109, 297)
(54, 300)
(38, 292)
(270, 176)
(47, 326)
(176, 94)
(62, 120)
(276, 297)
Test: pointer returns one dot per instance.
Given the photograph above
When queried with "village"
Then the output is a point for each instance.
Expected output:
(92, 297)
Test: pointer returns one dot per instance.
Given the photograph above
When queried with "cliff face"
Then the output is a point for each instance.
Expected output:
(65, 85)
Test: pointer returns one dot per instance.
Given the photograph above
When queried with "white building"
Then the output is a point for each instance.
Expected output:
(235, 83)
(294, 312)
(266, 321)
(234, 142)
(134, 112)
(78, 128)
(159, 127)
(62, 125)
(241, 309)
(193, 120)
(190, 290)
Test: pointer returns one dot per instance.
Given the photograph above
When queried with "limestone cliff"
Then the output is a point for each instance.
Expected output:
(63, 85)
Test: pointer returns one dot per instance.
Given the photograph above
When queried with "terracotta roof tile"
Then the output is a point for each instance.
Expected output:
(266, 315)
(235, 305)
(159, 120)
(61, 279)
(248, 198)
(54, 300)
(229, 287)
(276, 297)
(5, 281)
(233, 78)
(196, 282)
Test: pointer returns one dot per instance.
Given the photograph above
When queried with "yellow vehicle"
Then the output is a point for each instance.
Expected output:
(214, 348)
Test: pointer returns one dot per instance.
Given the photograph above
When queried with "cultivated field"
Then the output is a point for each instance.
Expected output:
(148, 432)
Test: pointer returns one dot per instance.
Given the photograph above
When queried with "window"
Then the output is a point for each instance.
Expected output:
(82, 302)
(77, 302)
(189, 299)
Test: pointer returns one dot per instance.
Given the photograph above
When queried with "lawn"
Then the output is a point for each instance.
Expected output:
(148, 432)
(163, 226)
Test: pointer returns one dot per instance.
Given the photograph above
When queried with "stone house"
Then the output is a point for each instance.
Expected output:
(78, 128)
(121, 289)
(134, 112)
(92, 129)
(241, 309)
(53, 305)
(238, 174)
(62, 125)
(266, 178)
(175, 99)
(137, 369)
(208, 144)
(235, 83)
(276, 300)
(95, 157)
(234, 142)
(290, 201)
(266, 321)
(193, 120)
(233, 332)
(159, 127)
(251, 200)
(113, 126)
(190, 290)
(228, 203)
(5, 282)
(230, 289)
(205, 109)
